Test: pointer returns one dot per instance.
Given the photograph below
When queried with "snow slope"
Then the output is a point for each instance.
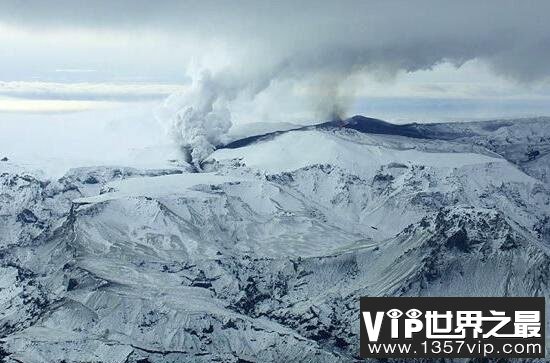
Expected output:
(264, 254)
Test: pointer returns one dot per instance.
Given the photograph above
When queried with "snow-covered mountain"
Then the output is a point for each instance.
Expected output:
(263, 255)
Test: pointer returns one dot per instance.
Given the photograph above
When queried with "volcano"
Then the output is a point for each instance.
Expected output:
(264, 253)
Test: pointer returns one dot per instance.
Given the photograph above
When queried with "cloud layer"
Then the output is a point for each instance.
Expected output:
(256, 49)
(86, 91)
(289, 38)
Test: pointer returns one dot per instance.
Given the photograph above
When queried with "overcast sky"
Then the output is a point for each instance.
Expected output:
(281, 59)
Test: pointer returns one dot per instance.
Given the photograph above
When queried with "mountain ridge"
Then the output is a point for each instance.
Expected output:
(264, 254)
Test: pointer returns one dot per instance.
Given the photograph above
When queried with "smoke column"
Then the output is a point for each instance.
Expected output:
(197, 120)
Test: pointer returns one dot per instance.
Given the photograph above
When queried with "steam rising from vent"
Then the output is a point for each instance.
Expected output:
(304, 55)
(197, 120)
(334, 95)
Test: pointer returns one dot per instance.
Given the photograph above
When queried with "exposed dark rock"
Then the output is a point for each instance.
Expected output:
(72, 284)
(532, 154)
(90, 180)
(27, 216)
(459, 241)
(509, 244)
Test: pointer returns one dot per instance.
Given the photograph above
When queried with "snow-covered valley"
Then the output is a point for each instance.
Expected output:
(264, 253)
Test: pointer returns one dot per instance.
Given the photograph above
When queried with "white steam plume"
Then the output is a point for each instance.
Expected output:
(197, 120)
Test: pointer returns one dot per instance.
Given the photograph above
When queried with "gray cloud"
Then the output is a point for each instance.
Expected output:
(317, 42)
(336, 36)
(386, 35)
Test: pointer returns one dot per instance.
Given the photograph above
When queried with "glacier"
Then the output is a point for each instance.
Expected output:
(264, 254)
